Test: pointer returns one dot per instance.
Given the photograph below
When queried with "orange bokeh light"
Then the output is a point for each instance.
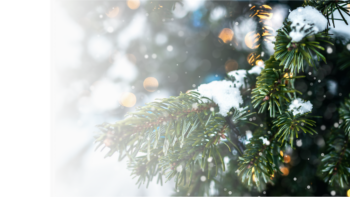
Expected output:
(286, 159)
(251, 40)
(285, 171)
(113, 12)
(231, 65)
(281, 153)
(128, 99)
(133, 4)
(150, 84)
(226, 35)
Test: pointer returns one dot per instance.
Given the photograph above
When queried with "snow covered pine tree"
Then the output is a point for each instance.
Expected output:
(201, 138)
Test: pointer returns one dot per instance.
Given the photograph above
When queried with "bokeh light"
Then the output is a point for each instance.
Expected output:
(281, 153)
(150, 84)
(285, 171)
(113, 12)
(226, 35)
(128, 99)
(286, 159)
(133, 4)
(217, 13)
(231, 65)
(265, 15)
(348, 193)
(251, 40)
(253, 58)
(268, 34)
(266, 7)
(259, 63)
(263, 12)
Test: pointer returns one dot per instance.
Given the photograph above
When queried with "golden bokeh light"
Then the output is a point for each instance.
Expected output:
(259, 63)
(231, 65)
(113, 12)
(272, 176)
(264, 15)
(285, 171)
(267, 35)
(150, 84)
(281, 153)
(253, 177)
(348, 192)
(226, 35)
(128, 99)
(133, 4)
(267, 7)
(263, 12)
(251, 40)
(253, 58)
(286, 159)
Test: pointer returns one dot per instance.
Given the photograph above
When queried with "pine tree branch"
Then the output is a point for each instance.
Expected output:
(344, 112)
(289, 125)
(335, 165)
(259, 161)
(178, 133)
(271, 88)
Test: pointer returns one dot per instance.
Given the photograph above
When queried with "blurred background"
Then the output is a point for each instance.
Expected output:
(112, 56)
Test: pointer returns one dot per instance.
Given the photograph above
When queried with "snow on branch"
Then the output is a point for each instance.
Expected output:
(226, 93)
(299, 106)
(306, 21)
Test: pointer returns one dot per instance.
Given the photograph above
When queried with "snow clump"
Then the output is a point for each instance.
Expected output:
(299, 106)
(306, 21)
(226, 93)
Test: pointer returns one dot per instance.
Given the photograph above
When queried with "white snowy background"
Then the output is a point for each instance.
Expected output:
(78, 169)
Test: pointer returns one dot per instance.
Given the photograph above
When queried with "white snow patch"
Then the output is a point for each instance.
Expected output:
(240, 75)
(226, 93)
(299, 106)
(223, 93)
(265, 140)
(249, 135)
(255, 70)
(306, 21)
